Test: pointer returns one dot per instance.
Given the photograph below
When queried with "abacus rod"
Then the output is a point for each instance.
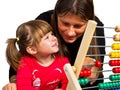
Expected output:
(101, 37)
(93, 46)
(101, 78)
(102, 71)
(89, 87)
(105, 63)
(98, 55)
(105, 27)
(91, 64)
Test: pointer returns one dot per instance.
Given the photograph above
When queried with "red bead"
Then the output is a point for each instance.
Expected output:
(111, 63)
(85, 73)
(116, 70)
(81, 73)
(89, 72)
(114, 62)
(98, 63)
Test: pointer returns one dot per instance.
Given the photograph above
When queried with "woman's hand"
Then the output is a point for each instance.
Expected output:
(10, 86)
(89, 63)
(93, 75)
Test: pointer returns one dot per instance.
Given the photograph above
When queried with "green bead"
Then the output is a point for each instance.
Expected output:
(116, 77)
(110, 85)
(101, 86)
(117, 84)
(112, 77)
(81, 81)
(119, 77)
(86, 81)
(114, 84)
(107, 85)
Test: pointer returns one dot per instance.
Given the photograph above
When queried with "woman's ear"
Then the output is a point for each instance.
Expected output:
(31, 50)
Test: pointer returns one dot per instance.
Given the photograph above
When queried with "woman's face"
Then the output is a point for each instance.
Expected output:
(71, 27)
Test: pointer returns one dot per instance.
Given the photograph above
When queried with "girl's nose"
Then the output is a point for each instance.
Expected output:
(52, 37)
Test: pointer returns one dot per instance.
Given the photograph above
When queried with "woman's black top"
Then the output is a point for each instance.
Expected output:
(74, 46)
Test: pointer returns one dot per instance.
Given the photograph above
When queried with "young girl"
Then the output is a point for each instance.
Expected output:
(34, 55)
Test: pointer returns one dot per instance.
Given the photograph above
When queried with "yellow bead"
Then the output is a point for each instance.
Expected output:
(114, 54)
(116, 46)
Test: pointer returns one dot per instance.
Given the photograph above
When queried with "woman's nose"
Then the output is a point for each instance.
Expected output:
(71, 31)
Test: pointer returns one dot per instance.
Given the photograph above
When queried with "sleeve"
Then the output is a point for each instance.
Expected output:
(100, 32)
(11, 72)
(24, 78)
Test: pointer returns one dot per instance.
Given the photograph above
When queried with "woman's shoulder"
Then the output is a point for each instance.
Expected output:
(99, 22)
(45, 16)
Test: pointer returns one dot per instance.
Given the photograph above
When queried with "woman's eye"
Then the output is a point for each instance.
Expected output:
(66, 24)
(77, 26)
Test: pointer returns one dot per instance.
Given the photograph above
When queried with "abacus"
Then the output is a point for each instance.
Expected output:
(75, 82)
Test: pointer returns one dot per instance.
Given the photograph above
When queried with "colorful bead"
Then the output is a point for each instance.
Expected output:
(98, 63)
(116, 46)
(114, 54)
(83, 81)
(114, 62)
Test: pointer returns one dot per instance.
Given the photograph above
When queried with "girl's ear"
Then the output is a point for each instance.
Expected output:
(31, 50)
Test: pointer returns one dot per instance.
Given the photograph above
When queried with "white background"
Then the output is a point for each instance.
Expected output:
(15, 12)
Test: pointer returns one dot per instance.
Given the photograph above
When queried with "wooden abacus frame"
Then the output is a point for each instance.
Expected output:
(73, 77)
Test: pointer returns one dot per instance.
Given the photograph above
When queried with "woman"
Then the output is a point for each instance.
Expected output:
(69, 20)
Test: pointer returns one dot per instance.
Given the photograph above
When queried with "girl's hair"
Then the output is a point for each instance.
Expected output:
(28, 33)
(82, 8)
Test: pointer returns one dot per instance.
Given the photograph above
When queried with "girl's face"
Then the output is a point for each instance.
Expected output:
(48, 44)
(71, 27)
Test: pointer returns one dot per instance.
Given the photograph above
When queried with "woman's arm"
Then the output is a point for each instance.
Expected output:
(11, 85)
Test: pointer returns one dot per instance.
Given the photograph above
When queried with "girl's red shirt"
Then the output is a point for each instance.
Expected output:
(33, 76)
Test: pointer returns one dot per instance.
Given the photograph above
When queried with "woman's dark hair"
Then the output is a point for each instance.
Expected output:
(82, 8)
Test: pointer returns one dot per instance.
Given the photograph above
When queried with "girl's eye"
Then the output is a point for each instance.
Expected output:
(52, 33)
(46, 37)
